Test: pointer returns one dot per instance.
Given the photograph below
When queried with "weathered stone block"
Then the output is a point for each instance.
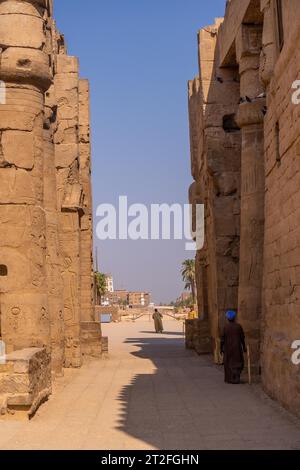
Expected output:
(27, 381)
(198, 336)
(91, 344)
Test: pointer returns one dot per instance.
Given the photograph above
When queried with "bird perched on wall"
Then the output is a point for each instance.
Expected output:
(264, 110)
(262, 95)
(245, 99)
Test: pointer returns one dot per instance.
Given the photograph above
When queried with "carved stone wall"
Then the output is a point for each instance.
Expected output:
(86, 242)
(245, 143)
(25, 318)
(46, 269)
(281, 321)
(70, 198)
(250, 119)
(215, 144)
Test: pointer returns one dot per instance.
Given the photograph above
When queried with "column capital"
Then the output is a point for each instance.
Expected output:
(248, 41)
(251, 113)
(248, 51)
(23, 37)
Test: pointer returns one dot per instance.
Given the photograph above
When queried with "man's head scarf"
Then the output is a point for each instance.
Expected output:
(231, 315)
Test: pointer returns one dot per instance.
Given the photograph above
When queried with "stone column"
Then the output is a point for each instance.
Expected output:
(70, 199)
(86, 238)
(24, 67)
(250, 120)
(53, 265)
(90, 329)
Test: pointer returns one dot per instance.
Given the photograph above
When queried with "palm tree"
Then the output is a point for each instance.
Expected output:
(188, 272)
(101, 284)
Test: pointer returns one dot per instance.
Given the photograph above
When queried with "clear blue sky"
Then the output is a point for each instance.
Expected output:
(138, 56)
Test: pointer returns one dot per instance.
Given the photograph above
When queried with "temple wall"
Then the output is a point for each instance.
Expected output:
(281, 326)
(46, 266)
(245, 141)
(216, 141)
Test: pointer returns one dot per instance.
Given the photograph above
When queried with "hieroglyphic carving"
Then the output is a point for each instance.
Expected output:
(215, 150)
(42, 193)
(21, 173)
(253, 265)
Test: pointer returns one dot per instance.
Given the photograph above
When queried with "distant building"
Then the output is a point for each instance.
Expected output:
(139, 299)
(109, 283)
(118, 297)
(124, 297)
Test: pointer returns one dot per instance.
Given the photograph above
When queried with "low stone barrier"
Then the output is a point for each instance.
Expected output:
(91, 344)
(25, 380)
(198, 337)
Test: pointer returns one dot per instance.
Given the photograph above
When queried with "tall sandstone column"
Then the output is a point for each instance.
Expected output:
(25, 70)
(70, 199)
(215, 151)
(250, 120)
(53, 259)
(86, 238)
